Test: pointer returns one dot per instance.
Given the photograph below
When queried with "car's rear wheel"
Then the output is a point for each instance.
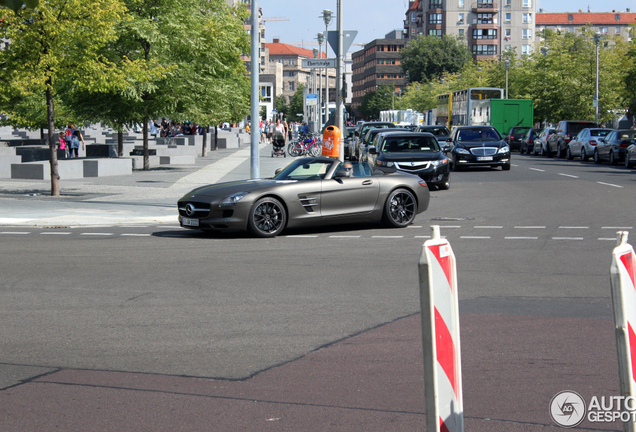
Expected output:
(583, 154)
(597, 158)
(521, 149)
(612, 158)
(400, 208)
(548, 151)
(569, 154)
(267, 217)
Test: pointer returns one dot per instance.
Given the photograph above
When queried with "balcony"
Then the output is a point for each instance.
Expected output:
(485, 7)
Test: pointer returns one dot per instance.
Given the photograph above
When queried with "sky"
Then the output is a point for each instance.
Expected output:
(373, 19)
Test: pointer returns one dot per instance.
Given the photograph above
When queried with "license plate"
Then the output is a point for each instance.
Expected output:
(484, 158)
(189, 222)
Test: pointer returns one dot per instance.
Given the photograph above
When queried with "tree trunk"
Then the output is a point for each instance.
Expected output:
(50, 116)
(120, 141)
(216, 137)
(205, 140)
(146, 152)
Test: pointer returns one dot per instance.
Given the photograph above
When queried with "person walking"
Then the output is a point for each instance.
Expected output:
(75, 136)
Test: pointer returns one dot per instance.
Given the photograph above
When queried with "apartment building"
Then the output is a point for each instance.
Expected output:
(607, 23)
(379, 62)
(488, 27)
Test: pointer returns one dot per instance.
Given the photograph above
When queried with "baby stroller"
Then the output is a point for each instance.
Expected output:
(278, 147)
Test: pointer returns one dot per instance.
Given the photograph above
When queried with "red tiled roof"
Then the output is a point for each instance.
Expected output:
(414, 6)
(285, 49)
(582, 18)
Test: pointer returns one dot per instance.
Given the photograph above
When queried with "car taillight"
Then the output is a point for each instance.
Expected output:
(511, 137)
(530, 140)
(624, 145)
(567, 137)
(592, 142)
(423, 183)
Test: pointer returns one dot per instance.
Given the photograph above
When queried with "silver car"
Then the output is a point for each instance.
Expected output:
(585, 142)
(308, 192)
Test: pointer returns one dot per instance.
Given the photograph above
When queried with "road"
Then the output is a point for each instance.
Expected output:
(533, 249)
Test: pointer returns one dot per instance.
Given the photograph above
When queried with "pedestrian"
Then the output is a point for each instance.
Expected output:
(280, 132)
(76, 137)
(62, 144)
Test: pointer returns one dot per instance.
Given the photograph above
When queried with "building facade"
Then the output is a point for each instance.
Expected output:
(606, 23)
(379, 62)
(488, 27)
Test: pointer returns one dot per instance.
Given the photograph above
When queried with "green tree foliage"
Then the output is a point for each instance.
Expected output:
(56, 43)
(296, 103)
(428, 57)
(630, 81)
(376, 101)
(16, 5)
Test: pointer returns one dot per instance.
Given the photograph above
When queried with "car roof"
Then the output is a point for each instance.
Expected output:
(406, 133)
(475, 127)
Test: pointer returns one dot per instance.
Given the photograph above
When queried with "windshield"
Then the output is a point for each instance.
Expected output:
(410, 145)
(303, 170)
(366, 128)
(600, 132)
(626, 134)
(477, 134)
(437, 131)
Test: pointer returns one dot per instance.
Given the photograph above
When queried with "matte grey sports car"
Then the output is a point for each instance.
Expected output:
(308, 192)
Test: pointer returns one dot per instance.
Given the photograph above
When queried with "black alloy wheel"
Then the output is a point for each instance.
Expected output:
(267, 217)
(506, 167)
(400, 208)
(597, 158)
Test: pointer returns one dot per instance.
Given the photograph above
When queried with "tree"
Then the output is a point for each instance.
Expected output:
(428, 57)
(16, 5)
(296, 104)
(376, 101)
(57, 42)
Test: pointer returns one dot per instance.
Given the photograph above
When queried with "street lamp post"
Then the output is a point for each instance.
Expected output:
(326, 16)
(507, 64)
(544, 51)
(597, 40)
(321, 38)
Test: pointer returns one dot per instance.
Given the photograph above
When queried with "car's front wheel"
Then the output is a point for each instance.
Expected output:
(597, 158)
(400, 208)
(612, 158)
(267, 217)
(583, 154)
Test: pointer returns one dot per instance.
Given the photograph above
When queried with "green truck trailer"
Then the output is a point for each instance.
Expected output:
(503, 113)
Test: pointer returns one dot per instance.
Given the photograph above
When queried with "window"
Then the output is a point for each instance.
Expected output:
(485, 18)
(617, 17)
(508, 2)
(485, 34)
(485, 49)
(618, 30)
(507, 36)
(436, 4)
(413, 16)
(461, 18)
(291, 86)
(527, 3)
(603, 30)
(460, 33)
(437, 33)
(507, 20)
(435, 18)
(508, 47)
(460, 3)
(526, 49)
(570, 17)
(526, 34)
(526, 18)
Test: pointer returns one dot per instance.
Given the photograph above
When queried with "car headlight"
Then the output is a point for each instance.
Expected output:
(384, 163)
(462, 151)
(439, 162)
(504, 149)
(233, 199)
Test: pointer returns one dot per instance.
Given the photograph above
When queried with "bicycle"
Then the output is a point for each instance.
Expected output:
(306, 145)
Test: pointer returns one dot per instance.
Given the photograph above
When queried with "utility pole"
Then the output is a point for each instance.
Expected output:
(339, 67)
(255, 70)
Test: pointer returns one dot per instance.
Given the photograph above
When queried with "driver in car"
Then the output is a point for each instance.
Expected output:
(349, 168)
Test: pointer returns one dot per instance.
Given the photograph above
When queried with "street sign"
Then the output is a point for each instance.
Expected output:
(319, 63)
(311, 99)
(274, 111)
(347, 39)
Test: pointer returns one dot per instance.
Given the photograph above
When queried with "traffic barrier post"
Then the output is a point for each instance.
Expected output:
(440, 336)
(623, 282)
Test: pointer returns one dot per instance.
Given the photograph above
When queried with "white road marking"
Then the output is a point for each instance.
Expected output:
(573, 227)
(414, 226)
(488, 227)
(567, 238)
(387, 237)
(607, 239)
(56, 233)
(344, 236)
(134, 226)
(568, 175)
(134, 235)
(610, 184)
(618, 228)
(301, 236)
(475, 237)
(97, 234)
(529, 227)
(15, 232)
(521, 238)
(537, 169)
(449, 226)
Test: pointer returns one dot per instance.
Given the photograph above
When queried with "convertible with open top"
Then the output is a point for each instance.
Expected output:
(309, 192)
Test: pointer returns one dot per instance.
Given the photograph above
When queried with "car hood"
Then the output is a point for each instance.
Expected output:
(229, 188)
(473, 144)
(411, 157)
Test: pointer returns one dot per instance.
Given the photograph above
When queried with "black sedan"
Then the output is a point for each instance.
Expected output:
(414, 153)
(308, 192)
(527, 142)
(515, 136)
(478, 146)
(613, 147)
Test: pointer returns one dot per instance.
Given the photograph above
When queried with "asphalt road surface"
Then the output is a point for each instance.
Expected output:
(533, 252)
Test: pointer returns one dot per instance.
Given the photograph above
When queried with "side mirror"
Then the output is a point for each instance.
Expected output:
(341, 173)
(278, 171)
(372, 150)
(448, 147)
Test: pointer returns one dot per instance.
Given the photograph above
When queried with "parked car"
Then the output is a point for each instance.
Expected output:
(630, 156)
(541, 143)
(585, 142)
(441, 133)
(415, 153)
(614, 146)
(370, 136)
(348, 136)
(565, 132)
(356, 149)
(527, 142)
(478, 146)
(308, 192)
(515, 135)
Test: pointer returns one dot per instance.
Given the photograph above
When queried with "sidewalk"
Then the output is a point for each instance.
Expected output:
(143, 197)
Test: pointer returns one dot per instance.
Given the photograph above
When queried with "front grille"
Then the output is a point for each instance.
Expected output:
(484, 151)
(412, 166)
(200, 209)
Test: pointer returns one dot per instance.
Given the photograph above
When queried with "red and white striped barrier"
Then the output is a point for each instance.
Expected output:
(440, 336)
(623, 279)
